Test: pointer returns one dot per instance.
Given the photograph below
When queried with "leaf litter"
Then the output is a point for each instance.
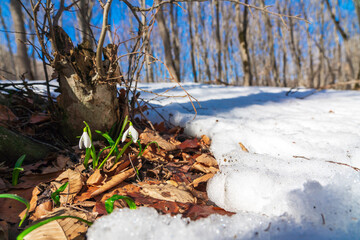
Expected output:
(170, 176)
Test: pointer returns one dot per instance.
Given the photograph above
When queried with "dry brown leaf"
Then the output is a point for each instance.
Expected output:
(189, 143)
(33, 202)
(205, 140)
(207, 160)
(42, 210)
(6, 114)
(202, 179)
(202, 168)
(167, 192)
(243, 147)
(115, 180)
(10, 208)
(61, 161)
(75, 184)
(96, 178)
(62, 229)
(4, 230)
(39, 118)
(148, 136)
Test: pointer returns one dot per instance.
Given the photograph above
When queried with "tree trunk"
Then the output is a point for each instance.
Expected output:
(84, 17)
(192, 45)
(244, 49)
(8, 42)
(270, 41)
(219, 78)
(165, 36)
(22, 58)
(81, 98)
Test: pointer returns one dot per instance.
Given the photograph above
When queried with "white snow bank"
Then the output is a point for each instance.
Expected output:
(288, 178)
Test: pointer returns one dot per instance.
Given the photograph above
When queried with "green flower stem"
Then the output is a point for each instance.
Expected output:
(17, 169)
(115, 144)
(35, 226)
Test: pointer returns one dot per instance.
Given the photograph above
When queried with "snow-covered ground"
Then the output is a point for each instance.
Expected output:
(289, 186)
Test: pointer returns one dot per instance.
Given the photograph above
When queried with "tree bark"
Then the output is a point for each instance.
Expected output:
(270, 41)
(244, 49)
(165, 36)
(219, 78)
(192, 44)
(82, 98)
(84, 17)
(22, 58)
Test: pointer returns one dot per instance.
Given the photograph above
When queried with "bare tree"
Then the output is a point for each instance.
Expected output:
(22, 58)
(165, 36)
(192, 40)
(271, 46)
(84, 15)
(242, 26)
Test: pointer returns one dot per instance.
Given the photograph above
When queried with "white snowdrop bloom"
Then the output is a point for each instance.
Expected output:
(132, 133)
(85, 141)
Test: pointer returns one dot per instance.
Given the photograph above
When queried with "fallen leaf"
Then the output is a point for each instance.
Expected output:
(207, 160)
(205, 169)
(39, 118)
(62, 229)
(10, 208)
(205, 140)
(196, 212)
(115, 180)
(167, 192)
(243, 147)
(189, 143)
(6, 115)
(96, 178)
(42, 210)
(75, 184)
(202, 179)
(149, 136)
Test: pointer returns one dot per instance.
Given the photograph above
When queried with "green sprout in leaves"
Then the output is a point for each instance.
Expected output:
(141, 152)
(55, 196)
(33, 227)
(20, 199)
(109, 203)
(17, 170)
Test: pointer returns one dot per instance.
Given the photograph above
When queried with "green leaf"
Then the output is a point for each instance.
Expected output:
(20, 199)
(56, 195)
(107, 137)
(141, 152)
(17, 169)
(109, 203)
(37, 225)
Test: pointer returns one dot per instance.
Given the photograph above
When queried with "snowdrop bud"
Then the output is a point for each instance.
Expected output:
(85, 140)
(132, 133)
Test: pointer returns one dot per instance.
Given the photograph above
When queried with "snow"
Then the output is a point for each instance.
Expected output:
(289, 186)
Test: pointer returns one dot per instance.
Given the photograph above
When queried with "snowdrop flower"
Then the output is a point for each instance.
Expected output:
(85, 140)
(132, 133)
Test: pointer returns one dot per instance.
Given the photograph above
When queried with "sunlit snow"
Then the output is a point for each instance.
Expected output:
(298, 180)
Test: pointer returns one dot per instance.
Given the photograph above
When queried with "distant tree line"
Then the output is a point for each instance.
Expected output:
(220, 42)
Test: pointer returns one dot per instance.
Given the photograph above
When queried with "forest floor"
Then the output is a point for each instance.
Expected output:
(261, 162)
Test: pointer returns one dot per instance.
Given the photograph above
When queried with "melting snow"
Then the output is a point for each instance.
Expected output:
(289, 186)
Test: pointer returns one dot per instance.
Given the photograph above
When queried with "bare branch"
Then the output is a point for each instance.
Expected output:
(104, 28)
